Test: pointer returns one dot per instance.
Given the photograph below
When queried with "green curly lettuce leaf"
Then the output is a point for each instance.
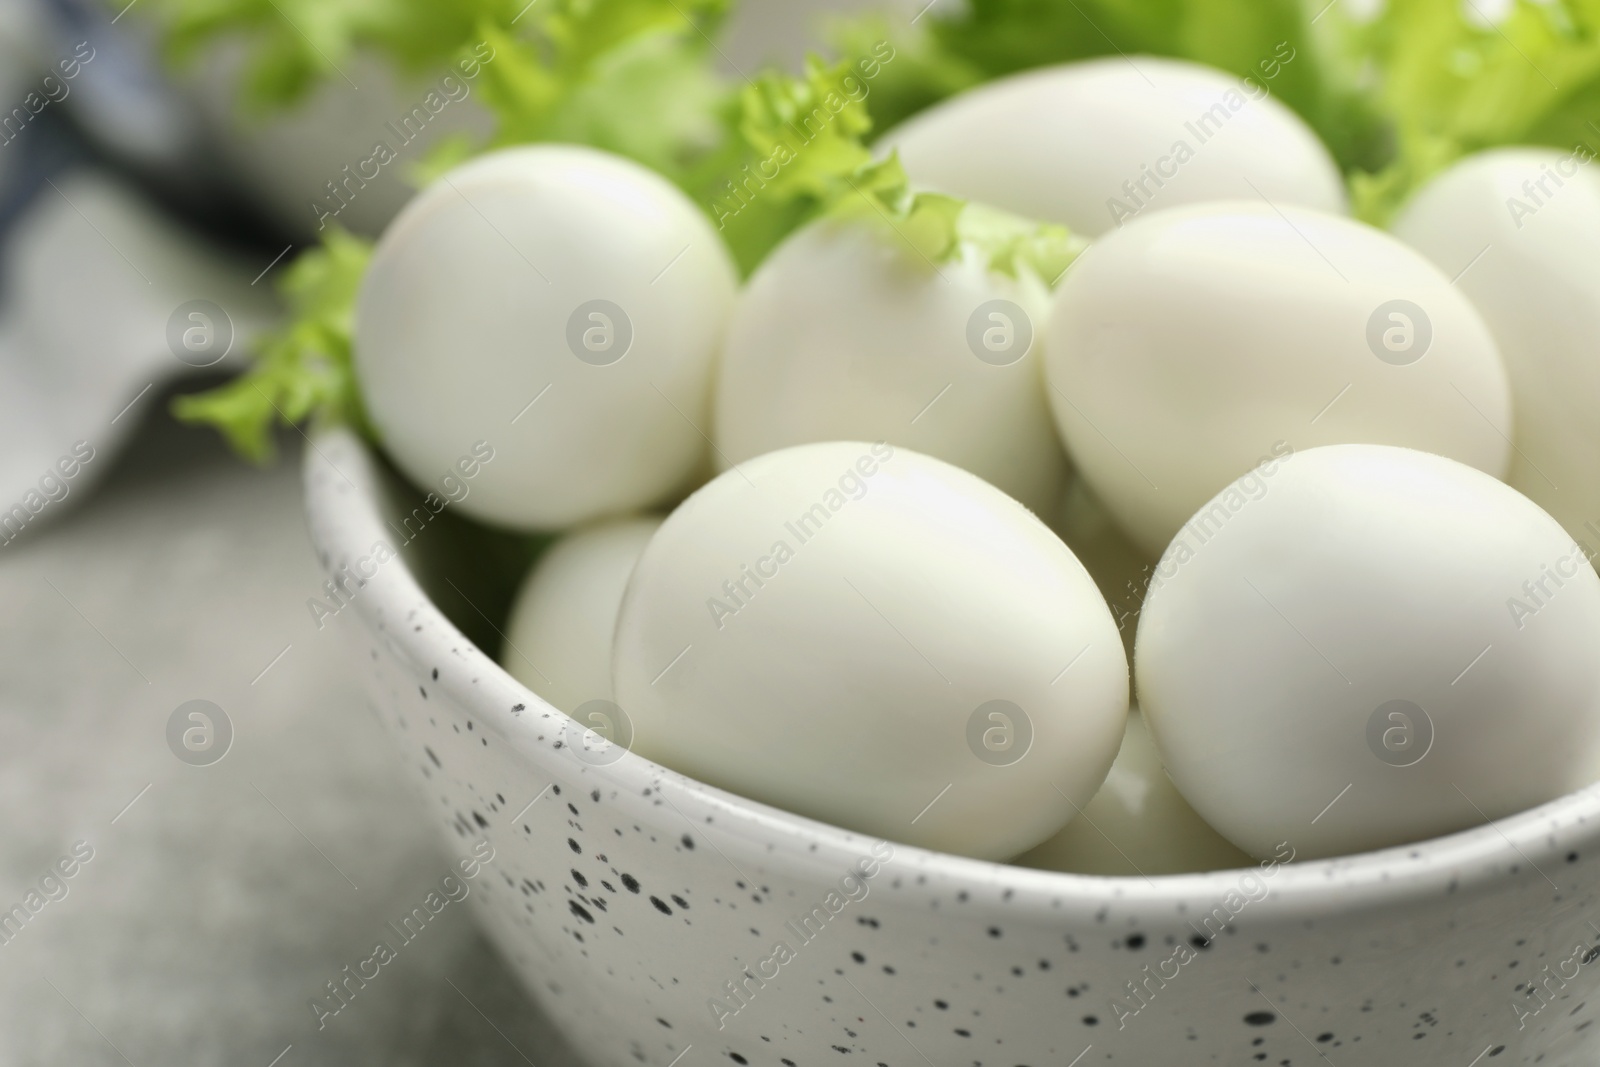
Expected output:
(798, 148)
(937, 227)
(304, 371)
(1453, 84)
(1013, 243)
(633, 77)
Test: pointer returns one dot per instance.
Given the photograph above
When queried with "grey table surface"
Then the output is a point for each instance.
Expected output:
(219, 899)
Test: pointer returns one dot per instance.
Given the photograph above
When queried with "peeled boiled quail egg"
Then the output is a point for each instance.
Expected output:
(1094, 144)
(1197, 343)
(561, 304)
(845, 333)
(558, 639)
(1519, 229)
(868, 636)
(1371, 646)
(1137, 824)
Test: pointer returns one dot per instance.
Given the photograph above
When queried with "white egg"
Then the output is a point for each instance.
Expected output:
(1091, 145)
(1137, 824)
(563, 305)
(846, 333)
(1370, 647)
(868, 636)
(1195, 344)
(1521, 228)
(558, 638)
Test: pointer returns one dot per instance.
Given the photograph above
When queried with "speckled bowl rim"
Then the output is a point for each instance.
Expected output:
(345, 518)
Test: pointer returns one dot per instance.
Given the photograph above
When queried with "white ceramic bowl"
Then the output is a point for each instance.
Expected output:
(645, 910)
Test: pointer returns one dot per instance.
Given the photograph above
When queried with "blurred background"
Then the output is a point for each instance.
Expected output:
(228, 858)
